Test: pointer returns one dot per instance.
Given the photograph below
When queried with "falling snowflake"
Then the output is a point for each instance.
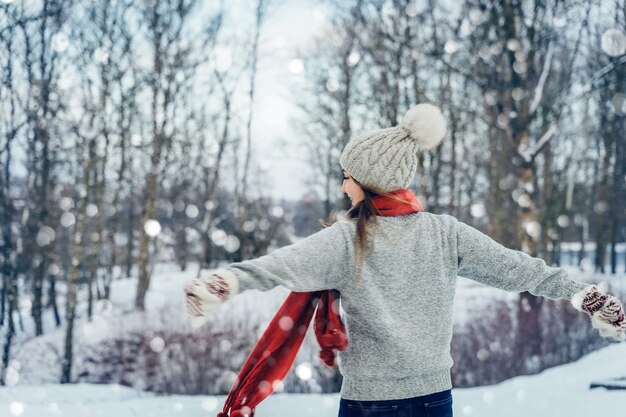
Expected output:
(524, 200)
(533, 229)
(218, 236)
(482, 355)
(563, 220)
(231, 244)
(502, 120)
(152, 227)
(192, 211)
(304, 371)
(54, 269)
(513, 44)
(248, 226)
(490, 98)
(135, 139)
(16, 408)
(285, 323)
(278, 385)
(477, 210)
(209, 205)
(354, 58)
(91, 210)
(45, 236)
(451, 46)
(277, 211)
(601, 207)
(296, 66)
(613, 42)
(67, 219)
(157, 344)
(517, 94)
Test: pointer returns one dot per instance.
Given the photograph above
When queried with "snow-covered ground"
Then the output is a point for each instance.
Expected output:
(559, 391)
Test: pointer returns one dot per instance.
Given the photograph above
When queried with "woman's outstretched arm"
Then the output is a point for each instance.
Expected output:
(318, 262)
(484, 260)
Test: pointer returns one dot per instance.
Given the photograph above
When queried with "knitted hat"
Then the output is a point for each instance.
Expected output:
(387, 158)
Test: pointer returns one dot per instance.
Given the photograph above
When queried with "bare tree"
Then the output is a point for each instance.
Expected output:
(41, 106)
(165, 22)
(241, 184)
(607, 214)
(9, 128)
(331, 97)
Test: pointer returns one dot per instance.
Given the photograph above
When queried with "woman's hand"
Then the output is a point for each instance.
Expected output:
(606, 311)
(204, 294)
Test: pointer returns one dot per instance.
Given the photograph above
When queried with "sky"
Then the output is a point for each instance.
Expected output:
(289, 25)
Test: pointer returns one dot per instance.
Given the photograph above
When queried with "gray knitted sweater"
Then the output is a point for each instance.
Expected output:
(399, 316)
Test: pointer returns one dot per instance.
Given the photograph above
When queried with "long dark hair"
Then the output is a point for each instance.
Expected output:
(365, 215)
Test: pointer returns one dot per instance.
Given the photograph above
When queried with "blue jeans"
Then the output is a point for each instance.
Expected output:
(438, 404)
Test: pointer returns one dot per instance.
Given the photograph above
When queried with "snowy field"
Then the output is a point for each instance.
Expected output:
(559, 391)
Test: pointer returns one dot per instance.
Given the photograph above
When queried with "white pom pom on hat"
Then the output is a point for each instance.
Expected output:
(426, 125)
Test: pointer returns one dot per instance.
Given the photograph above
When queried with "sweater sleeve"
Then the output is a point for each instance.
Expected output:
(484, 260)
(314, 263)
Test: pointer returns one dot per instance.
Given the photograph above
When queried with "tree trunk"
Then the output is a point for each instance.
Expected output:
(130, 247)
(12, 306)
(181, 243)
(143, 283)
(52, 299)
(528, 341)
(77, 267)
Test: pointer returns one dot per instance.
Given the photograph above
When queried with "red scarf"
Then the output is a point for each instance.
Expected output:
(272, 357)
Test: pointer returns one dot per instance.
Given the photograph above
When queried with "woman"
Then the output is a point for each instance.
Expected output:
(398, 298)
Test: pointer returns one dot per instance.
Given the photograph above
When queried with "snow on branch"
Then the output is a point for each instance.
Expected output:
(542, 80)
(531, 152)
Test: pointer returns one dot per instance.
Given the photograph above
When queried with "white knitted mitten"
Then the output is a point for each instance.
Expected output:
(205, 293)
(606, 311)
